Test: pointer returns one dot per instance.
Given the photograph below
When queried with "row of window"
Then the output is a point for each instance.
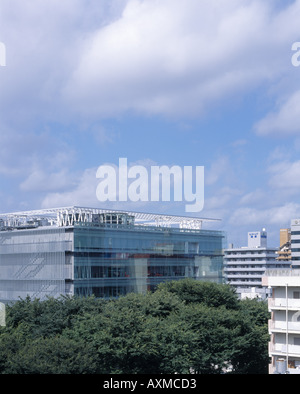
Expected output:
(101, 292)
(228, 252)
(157, 242)
(245, 259)
(87, 272)
(248, 280)
(253, 273)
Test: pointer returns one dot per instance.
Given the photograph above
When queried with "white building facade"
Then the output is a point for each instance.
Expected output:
(284, 325)
(295, 242)
(244, 267)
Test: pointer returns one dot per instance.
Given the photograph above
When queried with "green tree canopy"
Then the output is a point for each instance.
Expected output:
(183, 327)
(208, 293)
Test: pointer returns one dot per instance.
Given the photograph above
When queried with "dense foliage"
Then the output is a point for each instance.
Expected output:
(184, 326)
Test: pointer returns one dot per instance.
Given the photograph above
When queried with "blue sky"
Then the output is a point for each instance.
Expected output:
(161, 82)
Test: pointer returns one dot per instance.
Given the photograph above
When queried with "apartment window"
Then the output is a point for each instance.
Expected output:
(297, 341)
(296, 294)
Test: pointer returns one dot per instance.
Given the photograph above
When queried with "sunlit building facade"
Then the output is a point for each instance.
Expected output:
(89, 251)
(245, 266)
(284, 324)
(284, 252)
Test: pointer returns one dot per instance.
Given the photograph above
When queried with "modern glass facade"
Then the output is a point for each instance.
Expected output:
(116, 259)
(102, 254)
(32, 262)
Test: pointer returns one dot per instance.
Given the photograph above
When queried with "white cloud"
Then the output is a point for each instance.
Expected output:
(222, 199)
(220, 168)
(256, 197)
(43, 42)
(285, 175)
(82, 194)
(279, 215)
(22, 152)
(170, 57)
(285, 120)
(42, 181)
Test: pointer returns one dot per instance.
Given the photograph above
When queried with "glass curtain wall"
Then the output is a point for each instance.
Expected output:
(113, 260)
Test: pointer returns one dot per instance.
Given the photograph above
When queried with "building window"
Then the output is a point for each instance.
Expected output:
(296, 294)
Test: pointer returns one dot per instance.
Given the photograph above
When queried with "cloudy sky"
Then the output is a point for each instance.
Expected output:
(159, 82)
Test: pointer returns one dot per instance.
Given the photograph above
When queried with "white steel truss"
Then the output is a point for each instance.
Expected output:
(67, 216)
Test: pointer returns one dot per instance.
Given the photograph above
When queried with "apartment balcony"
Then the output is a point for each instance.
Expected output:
(249, 282)
(250, 256)
(278, 349)
(248, 260)
(281, 326)
(283, 303)
(245, 275)
(261, 269)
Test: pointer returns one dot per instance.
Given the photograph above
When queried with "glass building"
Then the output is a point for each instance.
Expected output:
(89, 251)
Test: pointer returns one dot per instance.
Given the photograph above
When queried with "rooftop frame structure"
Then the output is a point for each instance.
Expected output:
(67, 216)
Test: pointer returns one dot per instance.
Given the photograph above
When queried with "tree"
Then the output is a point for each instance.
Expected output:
(251, 346)
(214, 330)
(137, 334)
(54, 355)
(208, 293)
(51, 316)
(183, 326)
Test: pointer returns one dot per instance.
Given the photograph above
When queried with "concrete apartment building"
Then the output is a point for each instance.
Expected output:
(284, 305)
(284, 325)
(90, 251)
(245, 266)
(295, 242)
